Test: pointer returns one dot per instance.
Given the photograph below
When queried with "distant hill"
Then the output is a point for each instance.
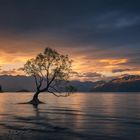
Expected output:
(16, 83)
(23, 83)
(83, 86)
(128, 83)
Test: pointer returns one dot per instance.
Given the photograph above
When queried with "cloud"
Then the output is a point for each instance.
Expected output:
(86, 22)
(87, 76)
(113, 61)
(12, 72)
(120, 70)
(91, 75)
(8, 72)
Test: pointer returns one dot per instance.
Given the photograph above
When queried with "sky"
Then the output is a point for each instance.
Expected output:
(101, 36)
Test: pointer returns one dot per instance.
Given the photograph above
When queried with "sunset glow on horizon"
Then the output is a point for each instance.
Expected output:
(103, 42)
(14, 54)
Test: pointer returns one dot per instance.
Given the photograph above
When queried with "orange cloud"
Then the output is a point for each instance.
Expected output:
(113, 61)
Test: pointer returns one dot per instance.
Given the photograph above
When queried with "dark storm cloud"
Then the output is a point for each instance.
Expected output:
(103, 23)
(75, 14)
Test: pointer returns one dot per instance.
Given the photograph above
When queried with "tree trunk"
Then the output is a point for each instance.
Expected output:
(35, 100)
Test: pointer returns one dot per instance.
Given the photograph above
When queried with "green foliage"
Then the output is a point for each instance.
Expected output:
(71, 88)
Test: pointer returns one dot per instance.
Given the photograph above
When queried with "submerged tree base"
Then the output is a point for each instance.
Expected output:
(35, 102)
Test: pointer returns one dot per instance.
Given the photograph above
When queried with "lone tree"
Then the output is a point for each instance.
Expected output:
(51, 72)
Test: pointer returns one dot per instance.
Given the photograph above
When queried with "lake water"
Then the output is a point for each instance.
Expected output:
(82, 116)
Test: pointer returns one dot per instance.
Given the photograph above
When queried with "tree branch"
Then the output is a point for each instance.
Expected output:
(55, 89)
(36, 81)
(53, 78)
(40, 82)
(58, 95)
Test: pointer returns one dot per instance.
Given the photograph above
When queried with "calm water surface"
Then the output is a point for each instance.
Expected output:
(82, 116)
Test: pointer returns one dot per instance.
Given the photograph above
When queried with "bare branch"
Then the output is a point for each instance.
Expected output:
(66, 95)
(55, 89)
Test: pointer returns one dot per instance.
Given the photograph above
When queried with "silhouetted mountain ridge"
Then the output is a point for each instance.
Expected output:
(127, 83)
(23, 83)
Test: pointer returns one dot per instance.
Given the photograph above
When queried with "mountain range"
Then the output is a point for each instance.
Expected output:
(127, 83)
(23, 83)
